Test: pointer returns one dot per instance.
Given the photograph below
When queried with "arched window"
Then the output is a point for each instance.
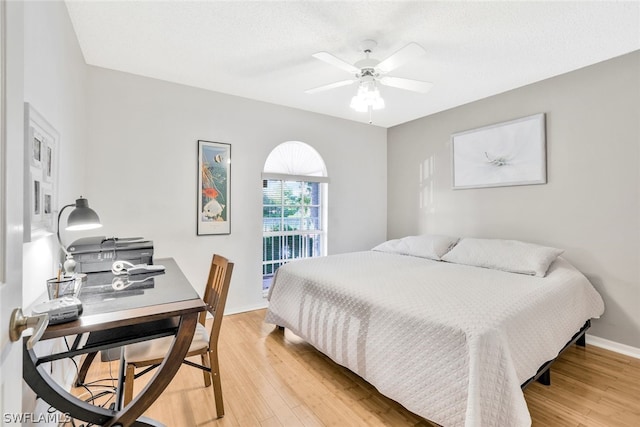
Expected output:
(294, 201)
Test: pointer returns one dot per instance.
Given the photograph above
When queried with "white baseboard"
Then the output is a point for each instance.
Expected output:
(247, 308)
(613, 346)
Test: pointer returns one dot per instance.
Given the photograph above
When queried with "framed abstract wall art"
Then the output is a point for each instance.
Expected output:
(508, 153)
(214, 184)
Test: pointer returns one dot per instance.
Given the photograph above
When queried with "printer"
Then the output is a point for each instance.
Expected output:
(97, 253)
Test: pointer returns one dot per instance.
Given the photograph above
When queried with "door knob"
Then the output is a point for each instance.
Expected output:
(18, 323)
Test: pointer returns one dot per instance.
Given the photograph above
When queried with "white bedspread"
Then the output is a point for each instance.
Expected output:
(451, 343)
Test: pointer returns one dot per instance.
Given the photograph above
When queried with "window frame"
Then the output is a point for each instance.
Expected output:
(301, 230)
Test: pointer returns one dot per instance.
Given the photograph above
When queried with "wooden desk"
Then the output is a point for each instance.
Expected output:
(163, 305)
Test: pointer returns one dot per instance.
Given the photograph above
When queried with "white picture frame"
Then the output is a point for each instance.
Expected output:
(503, 154)
(41, 175)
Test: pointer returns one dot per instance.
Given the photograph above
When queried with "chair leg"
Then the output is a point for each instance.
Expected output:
(217, 385)
(207, 375)
(128, 383)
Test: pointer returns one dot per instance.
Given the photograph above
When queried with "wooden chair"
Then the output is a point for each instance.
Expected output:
(204, 343)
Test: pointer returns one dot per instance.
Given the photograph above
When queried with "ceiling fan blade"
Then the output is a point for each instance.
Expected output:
(407, 84)
(330, 86)
(336, 62)
(410, 51)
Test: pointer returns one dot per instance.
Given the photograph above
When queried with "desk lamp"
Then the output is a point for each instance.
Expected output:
(81, 218)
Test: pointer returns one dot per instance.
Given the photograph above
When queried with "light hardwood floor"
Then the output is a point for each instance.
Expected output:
(271, 378)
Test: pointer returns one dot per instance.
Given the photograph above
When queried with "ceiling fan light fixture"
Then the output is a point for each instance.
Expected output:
(368, 96)
(369, 73)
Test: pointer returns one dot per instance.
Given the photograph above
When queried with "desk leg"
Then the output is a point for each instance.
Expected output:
(163, 375)
(38, 379)
(36, 376)
(84, 369)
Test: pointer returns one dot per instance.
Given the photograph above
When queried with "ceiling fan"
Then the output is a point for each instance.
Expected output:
(370, 72)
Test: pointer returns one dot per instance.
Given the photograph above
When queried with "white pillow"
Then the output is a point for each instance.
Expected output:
(505, 255)
(431, 246)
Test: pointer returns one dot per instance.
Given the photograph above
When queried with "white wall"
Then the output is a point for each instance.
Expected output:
(141, 172)
(55, 85)
(591, 204)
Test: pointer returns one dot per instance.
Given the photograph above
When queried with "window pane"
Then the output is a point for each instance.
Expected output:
(271, 218)
(312, 219)
(314, 191)
(292, 224)
(311, 224)
(292, 193)
(272, 193)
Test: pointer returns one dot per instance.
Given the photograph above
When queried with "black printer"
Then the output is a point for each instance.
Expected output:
(97, 253)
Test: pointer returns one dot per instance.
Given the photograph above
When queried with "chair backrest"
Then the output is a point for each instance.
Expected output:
(215, 295)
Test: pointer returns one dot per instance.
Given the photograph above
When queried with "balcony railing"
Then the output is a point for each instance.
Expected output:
(280, 248)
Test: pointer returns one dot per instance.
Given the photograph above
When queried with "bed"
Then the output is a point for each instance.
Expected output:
(438, 325)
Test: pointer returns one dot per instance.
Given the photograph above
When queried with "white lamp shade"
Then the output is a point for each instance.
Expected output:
(83, 217)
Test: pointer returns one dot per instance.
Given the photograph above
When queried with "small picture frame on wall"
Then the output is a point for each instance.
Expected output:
(213, 188)
(36, 150)
(503, 154)
(47, 205)
(36, 199)
(47, 163)
(41, 171)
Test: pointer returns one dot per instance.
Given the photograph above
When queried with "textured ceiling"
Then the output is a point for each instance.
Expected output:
(262, 49)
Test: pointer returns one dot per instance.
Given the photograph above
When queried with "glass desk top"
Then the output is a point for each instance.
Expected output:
(106, 292)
